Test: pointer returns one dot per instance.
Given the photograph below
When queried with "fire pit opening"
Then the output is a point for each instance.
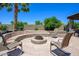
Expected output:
(38, 40)
(38, 37)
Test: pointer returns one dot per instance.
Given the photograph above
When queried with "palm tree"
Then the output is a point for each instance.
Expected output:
(0, 26)
(16, 8)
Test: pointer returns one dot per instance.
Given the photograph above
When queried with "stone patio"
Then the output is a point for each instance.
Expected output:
(36, 49)
(44, 49)
(31, 49)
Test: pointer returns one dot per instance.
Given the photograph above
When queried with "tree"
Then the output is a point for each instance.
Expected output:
(38, 23)
(52, 23)
(25, 23)
(4, 27)
(76, 25)
(9, 7)
(0, 26)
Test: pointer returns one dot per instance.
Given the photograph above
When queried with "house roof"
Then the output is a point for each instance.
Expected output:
(73, 17)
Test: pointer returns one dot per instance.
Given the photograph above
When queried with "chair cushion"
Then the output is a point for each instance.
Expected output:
(1, 40)
(13, 45)
(16, 52)
(60, 52)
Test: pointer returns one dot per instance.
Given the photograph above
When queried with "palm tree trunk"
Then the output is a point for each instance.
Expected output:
(15, 16)
(0, 27)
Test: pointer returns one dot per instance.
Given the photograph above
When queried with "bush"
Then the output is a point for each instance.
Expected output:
(51, 23)
(4, 27)
(36, 29)
(50, 26)
(20, 25)
(76, 25)
(37, 23)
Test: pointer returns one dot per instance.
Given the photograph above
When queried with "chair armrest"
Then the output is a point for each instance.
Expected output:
(60, 40)
(13, 45)
(57, 40)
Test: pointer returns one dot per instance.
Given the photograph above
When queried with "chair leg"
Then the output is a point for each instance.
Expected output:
(50, 47)
(21, 46)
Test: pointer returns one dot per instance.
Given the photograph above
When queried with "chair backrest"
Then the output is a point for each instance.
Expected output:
(66, 40)
(2, 39)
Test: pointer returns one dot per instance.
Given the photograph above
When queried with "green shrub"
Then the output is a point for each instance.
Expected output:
(50, 26)
(38, 23)
(36, 29)
(51, 23)
(20, 25)
(76, 24)
(4, 27)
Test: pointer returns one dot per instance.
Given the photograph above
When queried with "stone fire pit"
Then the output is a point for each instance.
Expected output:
(38, 40)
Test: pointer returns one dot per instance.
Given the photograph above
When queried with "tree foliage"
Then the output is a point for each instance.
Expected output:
(17, 7)
(9, 6)
(20, 25)
(76, 24)
(52, 23)
(38, 22)
(3, 27)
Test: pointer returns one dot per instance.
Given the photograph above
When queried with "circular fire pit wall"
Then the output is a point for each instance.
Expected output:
(38, 40)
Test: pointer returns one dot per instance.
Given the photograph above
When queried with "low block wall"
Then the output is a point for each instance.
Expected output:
(23, 34)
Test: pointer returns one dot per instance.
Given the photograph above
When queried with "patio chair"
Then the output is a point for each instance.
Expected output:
(61, 44)
(76, 33)
(4, 48)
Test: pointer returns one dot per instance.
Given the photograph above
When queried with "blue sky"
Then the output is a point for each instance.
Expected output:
(40, 11)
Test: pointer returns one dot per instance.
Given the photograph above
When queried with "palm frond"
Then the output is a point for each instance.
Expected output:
(8, 6)
(9, 9)
(19, 10)
(24, 4)
(1, 5)
(25, 9)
